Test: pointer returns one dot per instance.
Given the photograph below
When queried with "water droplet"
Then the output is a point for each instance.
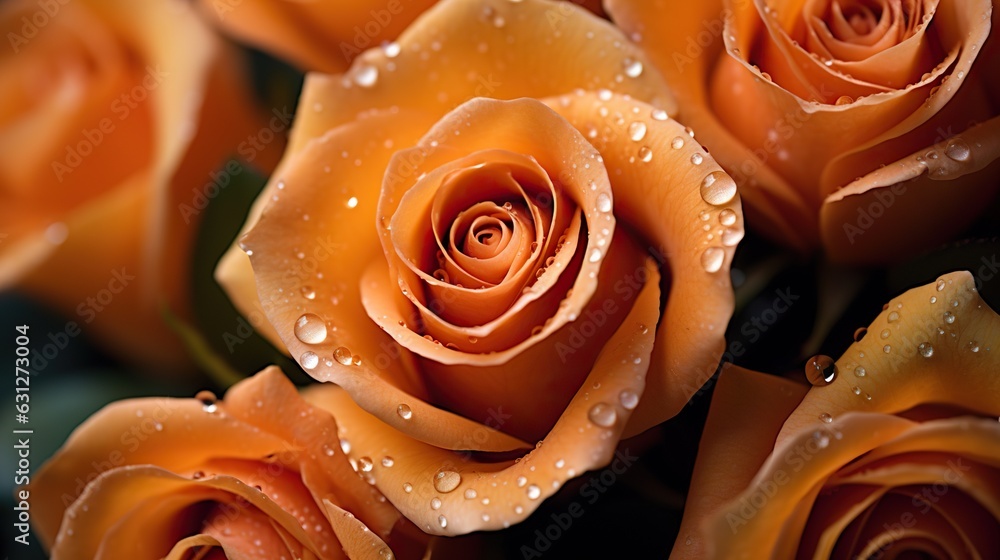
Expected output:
(822, 440)
(435, 503)
(352, 202)
(473, 340)
(470, 494)
(659, 115)
(821, 370)
(392, 49)
(860, 333)
(603, 415)
(522, 481)
(973, 346)
(385, 554)
(343, 355)
(949, 317)
(677, 143)
(366, 76)
(712, 258)
(885, 333)
(718, 188)
(534, 492)
(310, 329)
(208, 401)
(633, 68)
(645, 154)
(388, 461)
(845, 100)
(731, 236)
(697, 159)
(309, 360)
(308, 292)
(446, 481)
(404, 411)
(727, 217)
(925, 349)
(826, 418)
(637, 131)
(629, 399)
(887, 348)
(893, 317)
(940, 285)
(957, 150)
(604, 202)
(407, 487)
(365, 464)
(595, 255)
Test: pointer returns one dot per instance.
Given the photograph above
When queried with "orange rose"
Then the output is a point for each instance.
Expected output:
(257, 475)
(551, 269)
(321, 36)
(108, 127)
(900, 453)
(843, 122)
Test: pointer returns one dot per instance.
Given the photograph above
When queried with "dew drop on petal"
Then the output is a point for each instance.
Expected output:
(435, 503)
(821, 370)
(603, 415)
(604, 202)
(388, 461)
(365, 464)
(629, 399)
(637, 131)
(712, 259)
(697, 159)
(309, 360)
(366, 76)
(717, 188)
(659, 115)
(940, 285)
(826, 418)
(727, 217)
(446, 481)
(860, 333)
(925, 349)
(633, 68)
(470, 494)
(404, 411)
(949, 317)
(442, 521)
(310, 329)
(860, 371)
(343, 355)
(534, 492)
(957, 150)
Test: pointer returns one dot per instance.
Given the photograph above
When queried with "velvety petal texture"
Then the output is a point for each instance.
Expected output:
(487, 248)
(108, 133)
(259, 474)
(898, 455)
(838, 91)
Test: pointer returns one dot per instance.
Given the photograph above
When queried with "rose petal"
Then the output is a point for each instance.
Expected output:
(902, 377)
(505, 492)
(357, 540)
(864, 221)
(315, 35)
(732, 449)
(805, 459)
(771, 200)
(480, 55)
(384, 379)
(661, 199)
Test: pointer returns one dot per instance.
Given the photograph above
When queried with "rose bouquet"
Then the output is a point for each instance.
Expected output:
(509, 272)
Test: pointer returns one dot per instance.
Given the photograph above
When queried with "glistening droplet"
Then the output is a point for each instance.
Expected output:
(603, 414)
(446, 481)
(717, 188)
(821, 370)
(310, 329)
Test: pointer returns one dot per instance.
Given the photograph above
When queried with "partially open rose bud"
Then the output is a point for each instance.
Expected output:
(550, 270)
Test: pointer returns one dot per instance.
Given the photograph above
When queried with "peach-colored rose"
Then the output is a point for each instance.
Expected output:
(551, 269)
(899, 454)
(844, 122)
(260, 474)
(322, 36)
(113, 115)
